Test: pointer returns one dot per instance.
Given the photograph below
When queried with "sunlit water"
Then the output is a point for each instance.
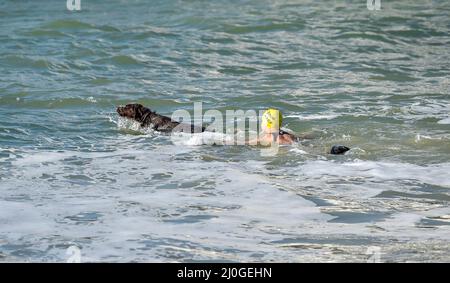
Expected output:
(74, 174)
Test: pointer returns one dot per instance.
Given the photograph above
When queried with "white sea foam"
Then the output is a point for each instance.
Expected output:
(314, 117)
(40, 157)
(128, 124)
(436, 174)
(298, 150)
(445, 121)
(205, 138)
(162, 198)
(420, 137)
(91, 99)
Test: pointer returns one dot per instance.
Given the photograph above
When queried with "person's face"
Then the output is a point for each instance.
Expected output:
(272, 130)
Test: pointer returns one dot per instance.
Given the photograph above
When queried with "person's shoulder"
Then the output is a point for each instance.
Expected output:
(289, 135)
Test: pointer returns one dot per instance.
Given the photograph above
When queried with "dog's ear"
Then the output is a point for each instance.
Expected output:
(138, 110)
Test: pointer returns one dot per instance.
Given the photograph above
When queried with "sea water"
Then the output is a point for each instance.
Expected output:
(74, 175)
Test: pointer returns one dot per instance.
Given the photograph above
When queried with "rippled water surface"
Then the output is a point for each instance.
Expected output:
(74, 174)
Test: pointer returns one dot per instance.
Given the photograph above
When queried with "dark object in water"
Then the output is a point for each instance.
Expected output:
(339, 149)
(158, 122)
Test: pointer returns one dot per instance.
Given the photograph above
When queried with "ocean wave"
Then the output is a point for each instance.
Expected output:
(314, 117)
(77, 25)
(21, 61)
(122, 60)
(435, 174)
(376, 37)
(45, 33)
(16, 61)
(270, 26)
(445, 121)
(17, 100)
(179, 139)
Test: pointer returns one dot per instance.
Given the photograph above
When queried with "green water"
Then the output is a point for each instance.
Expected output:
(73, 173)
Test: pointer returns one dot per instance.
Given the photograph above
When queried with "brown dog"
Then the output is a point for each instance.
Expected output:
(148, 118)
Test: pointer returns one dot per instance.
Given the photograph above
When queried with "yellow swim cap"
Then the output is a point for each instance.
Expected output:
(271, 120)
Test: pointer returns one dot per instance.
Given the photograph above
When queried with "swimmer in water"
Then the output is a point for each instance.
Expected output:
(271, 133)
(270, 130)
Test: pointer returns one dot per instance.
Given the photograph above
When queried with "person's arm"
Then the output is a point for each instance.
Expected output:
(262, 140)
(252, 142)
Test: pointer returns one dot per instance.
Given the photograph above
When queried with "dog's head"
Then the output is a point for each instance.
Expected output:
(132, 111)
